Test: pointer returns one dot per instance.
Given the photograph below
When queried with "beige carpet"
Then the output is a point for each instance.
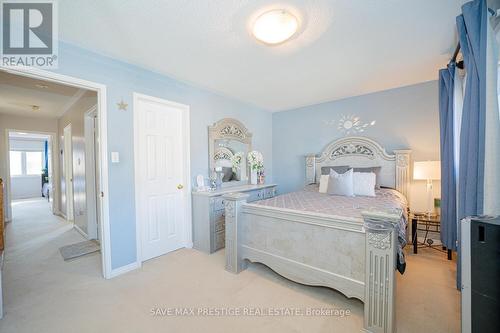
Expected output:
(45, 294)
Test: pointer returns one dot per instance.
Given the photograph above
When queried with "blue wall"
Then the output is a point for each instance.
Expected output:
(405, 118)
(122, 80)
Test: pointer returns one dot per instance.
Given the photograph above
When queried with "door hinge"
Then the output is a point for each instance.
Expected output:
(102, 194)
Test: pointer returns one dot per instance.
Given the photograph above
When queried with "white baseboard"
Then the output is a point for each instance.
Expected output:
(83, 233)
(60, 214)
(124, 269)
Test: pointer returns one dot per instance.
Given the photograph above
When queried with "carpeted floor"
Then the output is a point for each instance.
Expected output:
(42, 293)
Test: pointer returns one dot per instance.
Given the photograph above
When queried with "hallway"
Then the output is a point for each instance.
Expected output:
(33, 269)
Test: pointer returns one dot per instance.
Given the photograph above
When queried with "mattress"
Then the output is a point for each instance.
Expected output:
(310, 200)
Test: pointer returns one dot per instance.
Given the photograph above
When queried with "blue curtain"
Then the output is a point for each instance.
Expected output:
(448, 183)
(472, 31)
(46, 155)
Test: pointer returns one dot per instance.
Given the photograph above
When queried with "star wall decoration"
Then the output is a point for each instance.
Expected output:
(122, 105)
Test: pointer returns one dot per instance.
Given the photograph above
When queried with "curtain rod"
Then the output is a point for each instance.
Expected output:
(460, 64)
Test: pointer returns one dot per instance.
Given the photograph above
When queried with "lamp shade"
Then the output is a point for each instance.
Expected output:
(427, 170)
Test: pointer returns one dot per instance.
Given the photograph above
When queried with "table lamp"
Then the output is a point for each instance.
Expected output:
(429, 171)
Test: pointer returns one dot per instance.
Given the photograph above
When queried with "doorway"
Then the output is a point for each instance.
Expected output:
(71, 148)
(162, 176)
(30, 164)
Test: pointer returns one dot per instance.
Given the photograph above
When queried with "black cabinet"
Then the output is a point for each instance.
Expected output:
(485, 274)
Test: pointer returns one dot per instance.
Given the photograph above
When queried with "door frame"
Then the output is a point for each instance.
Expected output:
(68, 174)
(53, 165)
(40, 74)
(91, 169)
(188, 236)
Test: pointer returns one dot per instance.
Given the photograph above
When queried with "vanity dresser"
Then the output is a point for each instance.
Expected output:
(209, 224)
(229, 141)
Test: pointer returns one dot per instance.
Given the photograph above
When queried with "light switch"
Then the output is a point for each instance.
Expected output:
(115, 157)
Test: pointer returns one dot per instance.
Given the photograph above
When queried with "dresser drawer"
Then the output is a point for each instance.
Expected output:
(256, 195)
(270, 192)
(218, 203)
(220, 239)
(220, 225)
(218, 215)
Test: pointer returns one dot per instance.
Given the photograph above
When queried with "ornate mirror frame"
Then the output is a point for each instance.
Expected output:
(231, 129)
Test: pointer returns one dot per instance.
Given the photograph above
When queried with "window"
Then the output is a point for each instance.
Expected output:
(16, 163)
(26, 163)
(34, 162)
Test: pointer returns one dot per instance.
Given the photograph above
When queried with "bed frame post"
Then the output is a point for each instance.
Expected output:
(380, 279)
(310, 169)
(403, 165)
(233, 205)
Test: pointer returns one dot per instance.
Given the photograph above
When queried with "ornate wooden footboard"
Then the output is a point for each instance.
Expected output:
(355, 258)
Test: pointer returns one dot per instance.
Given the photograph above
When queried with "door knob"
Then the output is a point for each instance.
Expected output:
(180, 187)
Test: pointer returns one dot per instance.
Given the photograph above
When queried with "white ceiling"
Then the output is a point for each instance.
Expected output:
(18, 95)
(345, 47)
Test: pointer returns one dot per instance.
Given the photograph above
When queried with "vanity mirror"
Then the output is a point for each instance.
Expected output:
(229, 144)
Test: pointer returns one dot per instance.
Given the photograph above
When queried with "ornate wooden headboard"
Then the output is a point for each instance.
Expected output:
(363, 152)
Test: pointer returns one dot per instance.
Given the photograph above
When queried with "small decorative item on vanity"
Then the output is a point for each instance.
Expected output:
(200, 184)
(256, 164)
(261, 177)
(218, 174)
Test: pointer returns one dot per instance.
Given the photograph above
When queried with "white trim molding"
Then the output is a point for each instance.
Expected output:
(124, 269)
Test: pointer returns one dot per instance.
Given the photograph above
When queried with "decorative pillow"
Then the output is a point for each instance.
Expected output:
(364, 183)
(338, 169)
(341, 184)
(323, 183)
(375, 170)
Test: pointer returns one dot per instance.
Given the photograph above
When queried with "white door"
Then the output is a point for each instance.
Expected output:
(68, 172)
(162, 168)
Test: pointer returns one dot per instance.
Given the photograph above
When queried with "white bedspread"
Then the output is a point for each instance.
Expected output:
(310, 200)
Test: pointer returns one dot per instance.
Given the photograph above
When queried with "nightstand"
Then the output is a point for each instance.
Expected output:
(428, 224)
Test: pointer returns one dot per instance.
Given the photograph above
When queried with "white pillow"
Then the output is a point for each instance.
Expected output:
(341, 184)
(364, 183)
(323, 183)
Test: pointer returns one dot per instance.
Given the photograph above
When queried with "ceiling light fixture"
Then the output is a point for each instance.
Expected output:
(275, 26)
(41, 86)
(35, 108)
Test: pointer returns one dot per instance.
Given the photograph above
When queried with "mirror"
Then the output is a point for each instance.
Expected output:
(229, 144)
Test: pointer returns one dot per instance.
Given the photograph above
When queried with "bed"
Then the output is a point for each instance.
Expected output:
(347, 244)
